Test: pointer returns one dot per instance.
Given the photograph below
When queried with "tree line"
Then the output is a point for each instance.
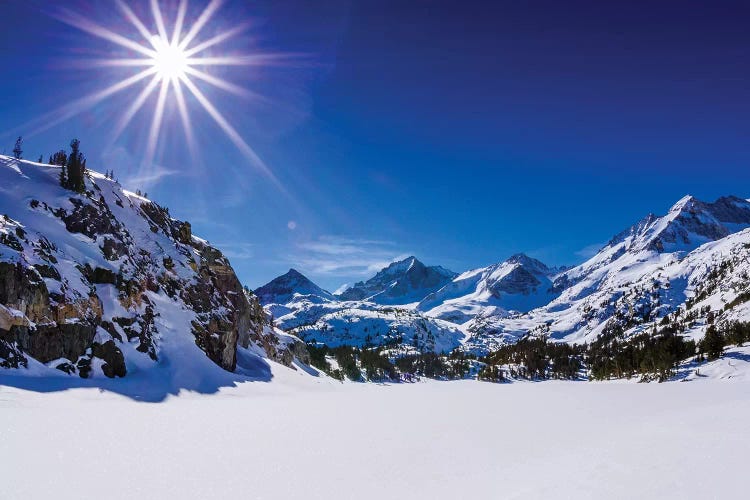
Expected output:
(651, 355)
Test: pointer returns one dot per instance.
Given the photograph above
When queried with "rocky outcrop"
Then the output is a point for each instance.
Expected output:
(114, 362)
(33, 323)
(84, 274)
(23, 289)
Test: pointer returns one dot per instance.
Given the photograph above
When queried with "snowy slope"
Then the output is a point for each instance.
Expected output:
(402, 282)
(517, 285)
(644, 273)
(105, 282)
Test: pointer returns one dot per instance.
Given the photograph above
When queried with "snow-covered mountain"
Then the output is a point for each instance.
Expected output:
(106, 282)
(694, 256)
(283, 289)
(517, 285)
(300, 306)
(649, 270)
(402, 282)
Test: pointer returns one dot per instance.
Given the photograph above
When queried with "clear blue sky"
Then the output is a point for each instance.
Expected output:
(461, 132)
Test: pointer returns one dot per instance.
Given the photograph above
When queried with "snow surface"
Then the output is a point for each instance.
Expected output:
(312, 438)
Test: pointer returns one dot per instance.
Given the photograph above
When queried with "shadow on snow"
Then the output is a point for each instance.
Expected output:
(150, 385)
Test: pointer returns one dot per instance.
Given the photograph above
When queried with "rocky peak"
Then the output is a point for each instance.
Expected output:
(529, 264)
(401, 282)
(689, 223)
(282, 289)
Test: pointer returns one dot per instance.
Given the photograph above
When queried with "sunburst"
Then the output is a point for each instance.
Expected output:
(169, 64)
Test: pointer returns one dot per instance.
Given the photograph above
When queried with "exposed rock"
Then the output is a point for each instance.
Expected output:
(114, 365)
(91, 219)
(185, 234)
(22, 288)
(113, 249)
(46, 271)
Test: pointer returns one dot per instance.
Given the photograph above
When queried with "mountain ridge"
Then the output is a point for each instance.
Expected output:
(399, 283)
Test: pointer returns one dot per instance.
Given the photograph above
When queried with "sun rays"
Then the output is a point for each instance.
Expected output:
(170, 61)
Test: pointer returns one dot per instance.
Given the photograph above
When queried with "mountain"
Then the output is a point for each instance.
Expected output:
(106, 283)
(518, 284)
(657, 266)
(402, 282)
(282, 289)
(300, 306)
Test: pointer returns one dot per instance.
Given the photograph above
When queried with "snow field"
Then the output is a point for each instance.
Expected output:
(301, 437)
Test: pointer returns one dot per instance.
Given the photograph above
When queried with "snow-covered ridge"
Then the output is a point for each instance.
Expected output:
(105, 282)
(642, 274)
(518, 284)
(402, 282)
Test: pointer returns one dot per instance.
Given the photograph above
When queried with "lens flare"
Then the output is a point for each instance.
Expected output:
(166, 65)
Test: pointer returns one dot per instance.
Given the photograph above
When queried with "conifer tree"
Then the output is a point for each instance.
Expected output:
(76, 167)
(17, 151)
(63, 177)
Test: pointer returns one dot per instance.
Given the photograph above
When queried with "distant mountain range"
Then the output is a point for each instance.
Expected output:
(643, 273)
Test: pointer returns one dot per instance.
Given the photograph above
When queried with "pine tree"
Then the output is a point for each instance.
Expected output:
(61, 159)
(712, 343)
(63, 177)
(41, 159)
(76, 167)
(17, 151)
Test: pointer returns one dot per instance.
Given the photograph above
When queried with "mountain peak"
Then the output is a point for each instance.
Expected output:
(531, 264)
(685, 202)
(292, 272)
(282, 289)
(400, 282)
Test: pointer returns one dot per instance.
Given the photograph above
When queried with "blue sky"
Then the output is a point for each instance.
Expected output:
(461, 132)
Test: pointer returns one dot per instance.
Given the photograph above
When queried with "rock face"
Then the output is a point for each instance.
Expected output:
(90, 282)
(401, 282)
(31, 322)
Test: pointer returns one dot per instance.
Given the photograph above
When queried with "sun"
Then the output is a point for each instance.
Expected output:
(169, 60)
(169, 63)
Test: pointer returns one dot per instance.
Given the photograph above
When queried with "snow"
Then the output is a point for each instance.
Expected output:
(302, 437)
